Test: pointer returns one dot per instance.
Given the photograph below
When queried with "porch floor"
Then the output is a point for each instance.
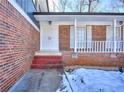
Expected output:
(53, 53)
(39, 80)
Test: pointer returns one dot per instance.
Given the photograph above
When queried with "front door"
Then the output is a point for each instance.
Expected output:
(49, 37)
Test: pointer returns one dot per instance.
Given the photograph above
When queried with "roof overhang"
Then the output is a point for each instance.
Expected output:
(70, 16)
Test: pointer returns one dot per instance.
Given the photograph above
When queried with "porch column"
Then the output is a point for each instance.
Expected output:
(115, 25)
(75, 35)
(41, 38)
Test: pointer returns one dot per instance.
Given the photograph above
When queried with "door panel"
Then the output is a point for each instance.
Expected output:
(49, 37)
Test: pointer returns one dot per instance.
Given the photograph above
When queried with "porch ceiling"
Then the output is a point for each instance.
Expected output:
(80, 16)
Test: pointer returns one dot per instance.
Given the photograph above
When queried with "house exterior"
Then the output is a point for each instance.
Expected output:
(88, 39)
(32, 36)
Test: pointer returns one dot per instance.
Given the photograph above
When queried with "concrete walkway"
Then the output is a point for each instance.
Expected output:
(39, 80)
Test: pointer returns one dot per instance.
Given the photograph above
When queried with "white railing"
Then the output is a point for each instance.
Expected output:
(100, 46)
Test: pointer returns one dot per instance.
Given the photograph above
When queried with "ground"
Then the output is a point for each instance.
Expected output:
(70, 80)
(39, 80)
(92, 80)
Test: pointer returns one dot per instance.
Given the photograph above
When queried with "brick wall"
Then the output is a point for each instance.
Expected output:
(98, 33)
(88, 59)
(94, 59)
(64, 37)
(18, 42)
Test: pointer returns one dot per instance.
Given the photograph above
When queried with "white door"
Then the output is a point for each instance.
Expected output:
(49, 38)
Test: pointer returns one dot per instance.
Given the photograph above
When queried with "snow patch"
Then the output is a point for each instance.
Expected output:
(92, 80)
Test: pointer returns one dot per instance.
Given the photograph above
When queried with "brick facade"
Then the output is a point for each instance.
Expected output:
(88, 59)
(94, 59)
(18, 42)
(98, 33)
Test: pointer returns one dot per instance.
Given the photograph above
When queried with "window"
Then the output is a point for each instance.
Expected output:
(109, 33)
(89, 36)
(83, 34)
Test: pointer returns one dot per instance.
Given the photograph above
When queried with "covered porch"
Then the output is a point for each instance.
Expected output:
(88, 32)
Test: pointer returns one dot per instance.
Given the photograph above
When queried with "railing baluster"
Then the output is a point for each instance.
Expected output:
(95, 47)
(110, 46)
(106, 46)
(123, 45)
(90, 46)
(118, 46)
(100, 46)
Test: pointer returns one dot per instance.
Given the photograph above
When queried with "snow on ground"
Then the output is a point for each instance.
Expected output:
(92, 80)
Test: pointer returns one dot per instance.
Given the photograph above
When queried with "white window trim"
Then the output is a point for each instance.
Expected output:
(72, 35)
(20, 10)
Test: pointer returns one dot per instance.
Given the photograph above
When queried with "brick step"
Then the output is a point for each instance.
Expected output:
(42, 66)
(48, 58)
(46, 61)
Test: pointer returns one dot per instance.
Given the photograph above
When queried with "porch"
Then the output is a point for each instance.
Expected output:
(100, 46)
(91, 39)
(83, 33)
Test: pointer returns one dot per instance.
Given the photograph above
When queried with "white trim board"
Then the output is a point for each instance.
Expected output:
(48, 53)
(79, 23)
(78, 17)
(17, 7)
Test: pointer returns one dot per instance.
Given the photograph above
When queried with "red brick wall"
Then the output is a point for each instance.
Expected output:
(98, 33)
(94, 59)
(88, 59)
(18, 42)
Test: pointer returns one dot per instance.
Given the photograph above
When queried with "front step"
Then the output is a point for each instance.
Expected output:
(47, 61)
(46, 66)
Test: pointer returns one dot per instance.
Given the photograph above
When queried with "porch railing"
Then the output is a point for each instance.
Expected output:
(100, 46)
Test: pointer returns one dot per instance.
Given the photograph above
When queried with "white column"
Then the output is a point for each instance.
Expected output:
(75, 35)
(41, 34)
(115, 25)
